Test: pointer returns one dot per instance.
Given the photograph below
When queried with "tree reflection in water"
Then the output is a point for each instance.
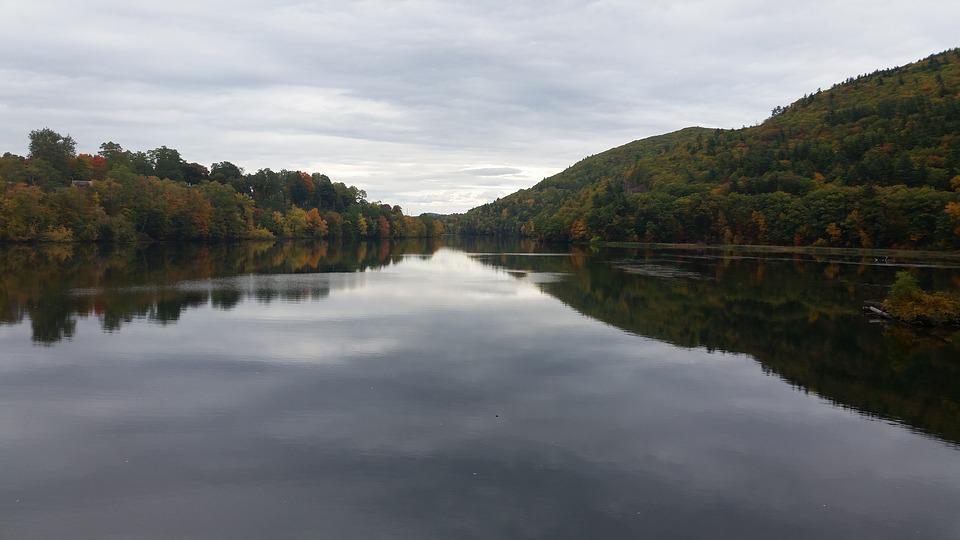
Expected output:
(797, 315)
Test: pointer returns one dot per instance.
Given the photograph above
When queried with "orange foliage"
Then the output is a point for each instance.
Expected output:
(953, 210)
(315, 223)
(307, 182)
(383, 227)
(578, 230)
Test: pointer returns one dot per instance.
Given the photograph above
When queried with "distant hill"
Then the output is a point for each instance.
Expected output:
(871, 162)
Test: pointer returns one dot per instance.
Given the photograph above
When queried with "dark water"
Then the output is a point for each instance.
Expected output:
(468, 391)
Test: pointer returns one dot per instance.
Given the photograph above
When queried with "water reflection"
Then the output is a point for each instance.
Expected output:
(481, 390)
(54, 284)
(798, 316)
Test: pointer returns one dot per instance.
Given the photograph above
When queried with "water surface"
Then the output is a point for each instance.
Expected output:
(472, 390)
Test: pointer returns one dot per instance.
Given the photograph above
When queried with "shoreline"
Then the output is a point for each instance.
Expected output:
(805, 250)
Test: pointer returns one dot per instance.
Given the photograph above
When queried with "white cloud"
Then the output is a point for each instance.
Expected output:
(403, 98)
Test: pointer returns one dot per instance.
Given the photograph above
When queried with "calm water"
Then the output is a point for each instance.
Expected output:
(468, 391)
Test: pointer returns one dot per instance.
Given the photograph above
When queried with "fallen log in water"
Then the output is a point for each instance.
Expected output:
(874, 308)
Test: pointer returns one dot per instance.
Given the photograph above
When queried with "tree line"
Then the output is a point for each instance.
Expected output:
(119, 195)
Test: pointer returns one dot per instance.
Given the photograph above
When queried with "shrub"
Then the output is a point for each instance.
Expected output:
(259, 233)
(909, 303)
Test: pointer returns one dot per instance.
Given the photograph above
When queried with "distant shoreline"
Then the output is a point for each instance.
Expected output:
(814, 250)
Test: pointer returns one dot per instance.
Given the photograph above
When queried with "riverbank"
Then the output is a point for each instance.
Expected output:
(802, 250)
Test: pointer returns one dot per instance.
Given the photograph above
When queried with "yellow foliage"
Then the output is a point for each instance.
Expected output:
(720, 189)
(259, 233)
(57, 234)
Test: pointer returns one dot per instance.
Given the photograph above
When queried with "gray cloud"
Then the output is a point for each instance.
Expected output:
(401, 97)
(493, 171)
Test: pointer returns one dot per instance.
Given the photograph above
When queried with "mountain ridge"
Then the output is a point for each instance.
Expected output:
(874, 161)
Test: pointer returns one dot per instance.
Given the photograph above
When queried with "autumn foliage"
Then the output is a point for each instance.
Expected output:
(117, 195)
(873, 162)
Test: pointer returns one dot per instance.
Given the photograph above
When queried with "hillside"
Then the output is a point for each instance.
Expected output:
(871, 162)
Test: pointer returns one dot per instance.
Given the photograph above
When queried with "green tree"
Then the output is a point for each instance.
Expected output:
(55, 149)
(167, 163)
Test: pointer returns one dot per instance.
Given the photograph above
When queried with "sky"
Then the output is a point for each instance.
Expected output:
(437, 106)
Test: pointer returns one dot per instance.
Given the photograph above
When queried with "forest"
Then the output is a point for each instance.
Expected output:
(55, 194)
(873, 162)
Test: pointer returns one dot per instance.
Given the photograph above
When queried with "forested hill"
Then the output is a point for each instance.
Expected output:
(872, 162)
(118, 195)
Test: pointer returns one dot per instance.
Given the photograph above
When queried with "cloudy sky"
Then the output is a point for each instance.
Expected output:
(436, 106)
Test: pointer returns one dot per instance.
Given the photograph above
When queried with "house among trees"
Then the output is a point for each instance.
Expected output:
(82, 183)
